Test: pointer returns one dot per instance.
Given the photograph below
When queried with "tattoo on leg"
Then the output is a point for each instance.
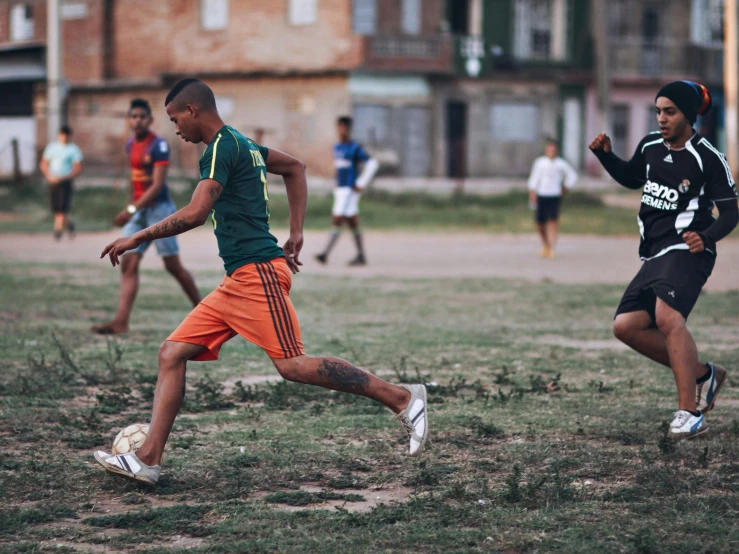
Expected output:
(344, 375)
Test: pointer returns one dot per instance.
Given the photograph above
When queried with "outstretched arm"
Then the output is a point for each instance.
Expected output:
(293, 173)
(628, 174)
(191, 216)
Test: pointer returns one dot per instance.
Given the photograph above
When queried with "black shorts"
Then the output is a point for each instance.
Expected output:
(547, 208)
(61, 197)
(677, 278)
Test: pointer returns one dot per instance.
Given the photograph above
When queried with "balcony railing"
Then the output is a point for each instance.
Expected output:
(663, 58)
(408, 53)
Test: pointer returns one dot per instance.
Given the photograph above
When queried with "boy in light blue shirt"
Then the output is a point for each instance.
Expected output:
(60, 164)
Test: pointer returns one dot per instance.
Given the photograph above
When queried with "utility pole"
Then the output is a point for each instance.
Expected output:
(731, 71)
(599, 22)
(53, 70)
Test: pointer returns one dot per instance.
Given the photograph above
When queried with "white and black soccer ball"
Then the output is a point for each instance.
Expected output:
(130, 438)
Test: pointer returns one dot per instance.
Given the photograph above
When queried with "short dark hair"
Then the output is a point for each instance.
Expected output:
(192, 91)
(345, 120)
(66, 130)
(552, 140)
(140, 103)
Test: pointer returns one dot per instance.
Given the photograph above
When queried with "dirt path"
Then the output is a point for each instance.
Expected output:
(580, 259)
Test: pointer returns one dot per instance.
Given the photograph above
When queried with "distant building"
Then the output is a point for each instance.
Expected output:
(437, 88)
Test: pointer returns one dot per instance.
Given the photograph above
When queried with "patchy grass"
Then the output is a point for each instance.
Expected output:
(535, 447)
(94, 208)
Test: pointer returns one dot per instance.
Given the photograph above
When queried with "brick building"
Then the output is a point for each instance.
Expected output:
(437, 87)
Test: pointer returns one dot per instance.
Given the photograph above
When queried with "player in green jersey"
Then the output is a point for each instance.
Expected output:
(253, 299)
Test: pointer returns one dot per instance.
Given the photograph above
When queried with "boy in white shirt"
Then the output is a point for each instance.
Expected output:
(551, 177)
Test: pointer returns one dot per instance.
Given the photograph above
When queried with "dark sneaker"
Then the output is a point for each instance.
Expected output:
(322, 259)
(359, 260)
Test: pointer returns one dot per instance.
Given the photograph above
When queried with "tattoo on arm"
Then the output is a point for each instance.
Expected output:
(216, 191)
(167, 227)
(344, 376)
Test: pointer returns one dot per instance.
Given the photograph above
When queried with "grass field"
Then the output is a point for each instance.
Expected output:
(93, 210)
(545, 435)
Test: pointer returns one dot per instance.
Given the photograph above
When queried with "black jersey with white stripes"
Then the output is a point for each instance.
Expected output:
(679, 187)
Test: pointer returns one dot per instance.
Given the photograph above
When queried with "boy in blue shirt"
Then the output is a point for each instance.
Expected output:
(60, 164)
(348, 155)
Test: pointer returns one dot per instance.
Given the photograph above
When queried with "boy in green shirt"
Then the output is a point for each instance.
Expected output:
(253, 299)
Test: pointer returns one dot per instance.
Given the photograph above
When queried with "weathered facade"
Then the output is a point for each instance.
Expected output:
(437, 88)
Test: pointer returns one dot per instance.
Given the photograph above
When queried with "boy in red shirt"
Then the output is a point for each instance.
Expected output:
(148, 155)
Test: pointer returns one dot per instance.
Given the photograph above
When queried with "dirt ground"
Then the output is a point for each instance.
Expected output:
(580, 259)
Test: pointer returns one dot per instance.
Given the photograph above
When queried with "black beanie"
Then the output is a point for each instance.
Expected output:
(693, 99)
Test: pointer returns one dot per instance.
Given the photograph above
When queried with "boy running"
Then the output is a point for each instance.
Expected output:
(148, 155)
(254, 298)
(551, 177)
(683, 177)
(348, 155)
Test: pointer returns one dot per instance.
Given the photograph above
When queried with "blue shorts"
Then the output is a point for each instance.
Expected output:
(146, 217)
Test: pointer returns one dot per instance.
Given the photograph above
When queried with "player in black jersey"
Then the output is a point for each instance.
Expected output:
(683, 177)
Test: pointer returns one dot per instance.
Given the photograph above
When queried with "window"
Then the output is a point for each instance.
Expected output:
(707, 22)
(364, 17)
(302, 12)
(459, 16)
(572, 131)
(652, 124)
(371, 124)
(618, 18)
(411, 17)
(620, 126)
(514, 122)
(21, 22)
(540, 29)
(214, 14)
(74, 10)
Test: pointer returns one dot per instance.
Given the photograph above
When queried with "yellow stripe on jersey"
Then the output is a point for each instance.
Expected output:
(213, 161)
(238, 148)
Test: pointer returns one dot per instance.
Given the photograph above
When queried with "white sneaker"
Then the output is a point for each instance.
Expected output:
(130, 466)
(686, 425)
(707, 392)
(415, 418)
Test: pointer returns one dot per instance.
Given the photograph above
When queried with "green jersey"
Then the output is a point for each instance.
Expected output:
(241, 213)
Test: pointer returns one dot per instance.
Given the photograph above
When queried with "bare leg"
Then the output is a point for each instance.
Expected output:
(552, 233)
(635, 330)
(542, 228)
(59, 221)
(682, 352)
(129, 288)
(339, 375)
(168, 397)
(184, 278)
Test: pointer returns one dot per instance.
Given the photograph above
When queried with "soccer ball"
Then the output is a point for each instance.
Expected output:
(130, 439)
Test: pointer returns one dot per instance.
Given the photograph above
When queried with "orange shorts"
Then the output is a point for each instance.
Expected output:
(254, 302)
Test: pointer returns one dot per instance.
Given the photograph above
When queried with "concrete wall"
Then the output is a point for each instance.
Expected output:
(167, 37)
(638, 99)
(23, 130)
(297, 113)
(485, 155)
